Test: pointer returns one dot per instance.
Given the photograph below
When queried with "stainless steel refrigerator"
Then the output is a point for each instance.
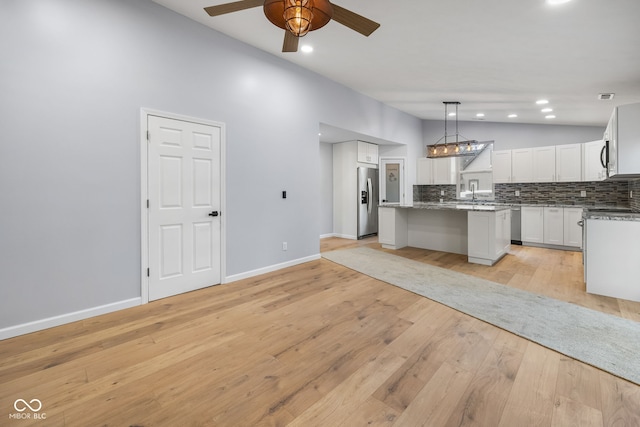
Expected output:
(367, 202)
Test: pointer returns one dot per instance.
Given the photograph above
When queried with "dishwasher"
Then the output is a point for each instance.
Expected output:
(516, 233)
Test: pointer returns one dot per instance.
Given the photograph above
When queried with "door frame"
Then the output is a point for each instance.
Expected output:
(144, 193)
(382, 185)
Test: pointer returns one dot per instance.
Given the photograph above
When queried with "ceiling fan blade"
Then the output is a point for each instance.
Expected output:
(354, 21)
(290, 43)
(232, 7)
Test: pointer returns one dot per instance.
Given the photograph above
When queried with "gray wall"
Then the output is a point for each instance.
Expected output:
(75, 74)
(508, 136)
(326, 189)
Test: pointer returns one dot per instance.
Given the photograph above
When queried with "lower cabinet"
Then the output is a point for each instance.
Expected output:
(392, 227)
(552, 226)
(572, 231)
(532, 226)
(489, 236)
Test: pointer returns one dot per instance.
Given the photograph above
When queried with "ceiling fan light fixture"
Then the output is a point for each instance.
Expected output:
(298, 16)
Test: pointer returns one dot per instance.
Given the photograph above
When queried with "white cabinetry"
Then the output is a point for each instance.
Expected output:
(424, 171)
(522, 165)
(553, 226)
(444, 171)
(612, 253)
(593, 169)
(569, 163)
(367, 152)
(572, 231)
(544, 164)
(489, 236)
(532, 224)
(501, 164)
(392, 227)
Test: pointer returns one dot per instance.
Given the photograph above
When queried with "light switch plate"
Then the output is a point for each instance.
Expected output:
(442, 192)
(517, 193)
(583, 193)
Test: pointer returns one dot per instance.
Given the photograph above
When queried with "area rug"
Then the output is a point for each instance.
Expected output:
(605, 341)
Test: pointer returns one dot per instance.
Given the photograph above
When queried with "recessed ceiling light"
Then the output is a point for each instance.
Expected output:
(547, 110)
(606, 96)
(480, 115)
(306, 48)
(512, 116)
(556, 2)
(542, 101)
(550, 116)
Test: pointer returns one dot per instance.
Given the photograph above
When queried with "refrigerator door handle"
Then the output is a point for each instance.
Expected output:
(370, 191)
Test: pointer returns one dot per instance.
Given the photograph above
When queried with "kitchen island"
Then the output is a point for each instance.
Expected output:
(482, 232)
(611, 253)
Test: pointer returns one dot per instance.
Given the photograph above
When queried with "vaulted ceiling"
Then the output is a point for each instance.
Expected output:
(496, 57)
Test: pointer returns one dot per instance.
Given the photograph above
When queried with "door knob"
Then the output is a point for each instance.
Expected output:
(213, 213)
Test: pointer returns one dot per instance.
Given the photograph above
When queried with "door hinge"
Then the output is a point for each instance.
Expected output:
(147, 272)
(147, 203)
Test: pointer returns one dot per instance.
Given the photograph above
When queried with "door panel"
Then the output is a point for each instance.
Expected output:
(184, 188)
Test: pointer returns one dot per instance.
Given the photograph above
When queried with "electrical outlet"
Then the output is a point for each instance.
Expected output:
(583, 193)
(441, 200)
(517, 193)
(284, 246)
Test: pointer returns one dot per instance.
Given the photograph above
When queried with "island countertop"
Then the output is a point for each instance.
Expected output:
(452, 206)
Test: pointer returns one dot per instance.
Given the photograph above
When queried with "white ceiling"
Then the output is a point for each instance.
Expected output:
(494, 56)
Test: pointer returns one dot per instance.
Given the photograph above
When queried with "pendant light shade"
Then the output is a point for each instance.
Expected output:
(298, 16)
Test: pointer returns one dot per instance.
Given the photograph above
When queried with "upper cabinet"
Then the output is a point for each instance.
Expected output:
(555, 163)
(569, 163)
(444, 171)
(501, 164)
(522, 165)
(367, 152)
(544, 164)
(593, 161)
(436, 171)
(424, 171)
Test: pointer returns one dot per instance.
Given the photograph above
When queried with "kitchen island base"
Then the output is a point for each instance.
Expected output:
(482, 233)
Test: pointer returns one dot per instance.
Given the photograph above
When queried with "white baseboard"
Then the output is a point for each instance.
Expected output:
(346, 236)
(270, 268)
(325, 236)
(50, 322)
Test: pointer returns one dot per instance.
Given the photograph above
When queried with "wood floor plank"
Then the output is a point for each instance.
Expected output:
(318, 344)
(567, 412)
(485, 398)
(531, 398)
(435, 402)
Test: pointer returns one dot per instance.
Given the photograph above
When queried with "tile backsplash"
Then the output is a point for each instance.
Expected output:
(634, 202)
(600, 193)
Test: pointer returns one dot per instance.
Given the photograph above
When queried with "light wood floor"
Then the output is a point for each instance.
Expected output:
(319, 345)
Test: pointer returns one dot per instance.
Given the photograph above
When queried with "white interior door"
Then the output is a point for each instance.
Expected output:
(184, 203)
(392, 180)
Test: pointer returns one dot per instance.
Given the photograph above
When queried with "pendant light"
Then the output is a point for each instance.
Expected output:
(457, 148)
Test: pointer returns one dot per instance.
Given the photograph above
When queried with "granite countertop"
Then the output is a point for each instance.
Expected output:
(611, 215)
(615, 213)
(456, 206)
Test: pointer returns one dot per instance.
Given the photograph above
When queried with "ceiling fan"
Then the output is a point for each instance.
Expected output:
(298, 17)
